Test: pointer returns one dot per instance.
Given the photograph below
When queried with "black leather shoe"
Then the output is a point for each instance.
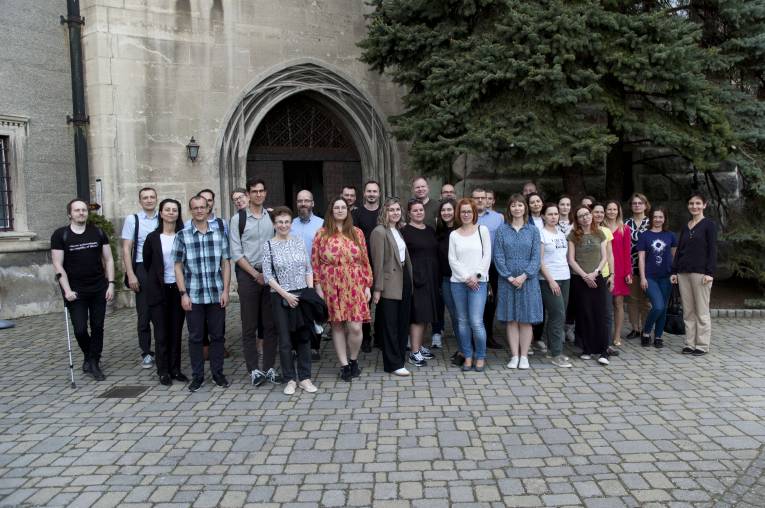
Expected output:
(165, 380)
(86, 366)
(687, 350)
(345, 373)
(658, 343)
(95, 370)
(355, 369)
(634, 334)
(698, 352)
(180, 376)
(220, 380)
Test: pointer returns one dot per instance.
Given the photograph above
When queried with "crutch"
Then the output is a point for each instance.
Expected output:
(69, 344)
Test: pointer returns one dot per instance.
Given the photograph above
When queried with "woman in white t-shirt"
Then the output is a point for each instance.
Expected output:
(469, 259)
(554, 283)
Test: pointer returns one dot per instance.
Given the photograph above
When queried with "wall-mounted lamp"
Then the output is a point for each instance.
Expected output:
(193, 149)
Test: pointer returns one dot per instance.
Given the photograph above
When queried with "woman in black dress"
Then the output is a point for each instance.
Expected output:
(423, 249)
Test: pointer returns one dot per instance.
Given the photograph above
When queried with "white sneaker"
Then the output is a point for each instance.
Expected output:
(307, 386)
(541, 346)
(290, 388)
(401, 372)
(513, 364)
(585, 357)
(603, 360)
(523, 363)
(436, 341)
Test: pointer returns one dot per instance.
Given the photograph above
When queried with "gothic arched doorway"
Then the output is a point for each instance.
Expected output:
(350, 107)
(302, 145)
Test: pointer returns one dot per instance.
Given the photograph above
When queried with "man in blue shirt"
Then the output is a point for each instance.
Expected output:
(492, 220)
(134, 231)
(306, 224)
(203, 276)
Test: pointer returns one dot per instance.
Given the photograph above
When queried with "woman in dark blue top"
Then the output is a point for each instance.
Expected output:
(656, 247)
(694, 269)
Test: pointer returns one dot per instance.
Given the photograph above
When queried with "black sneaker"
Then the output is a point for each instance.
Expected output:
(425, 352)
(345, 373)
(687, 350)
(658, 343)
(258, 377)
(220, 380)
(417, 360)
(645, 340)
(698, 352)
(196, 384)
(180, 376)
(273, 376)
(355, 369)
(634, 334)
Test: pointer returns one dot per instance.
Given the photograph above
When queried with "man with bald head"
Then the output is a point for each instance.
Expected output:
(306, 224)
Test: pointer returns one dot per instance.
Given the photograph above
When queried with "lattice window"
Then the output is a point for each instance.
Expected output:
(300, 124)
(6, 202)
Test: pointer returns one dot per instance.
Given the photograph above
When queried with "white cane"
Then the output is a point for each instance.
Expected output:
(69, 344)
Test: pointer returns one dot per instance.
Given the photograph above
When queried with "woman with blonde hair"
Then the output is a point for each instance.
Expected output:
(637, 305)
(620, 247)
(392, 285)
(343, 278)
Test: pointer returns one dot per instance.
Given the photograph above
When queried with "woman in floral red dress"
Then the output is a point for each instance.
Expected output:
(343, 277)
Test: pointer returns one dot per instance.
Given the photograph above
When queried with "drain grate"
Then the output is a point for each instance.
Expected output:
(123, 392)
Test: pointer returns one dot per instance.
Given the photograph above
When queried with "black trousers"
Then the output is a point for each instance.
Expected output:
(143, 312)
(591, 323)
(214, 316)
(393, 320)
(254, 306)
(299, 341)
(89, 308)
(491, 304)
(167, 319)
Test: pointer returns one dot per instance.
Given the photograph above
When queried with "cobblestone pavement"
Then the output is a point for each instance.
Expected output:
(656, 428)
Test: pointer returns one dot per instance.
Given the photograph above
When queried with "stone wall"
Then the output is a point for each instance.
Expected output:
(35, 99)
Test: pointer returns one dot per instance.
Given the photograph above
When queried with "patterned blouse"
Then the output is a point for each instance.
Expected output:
(635, 232)
(290, 262)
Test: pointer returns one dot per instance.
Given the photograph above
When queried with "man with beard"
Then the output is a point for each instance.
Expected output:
(365, 217)
(349, 195)
(448, 192)
(305, 225)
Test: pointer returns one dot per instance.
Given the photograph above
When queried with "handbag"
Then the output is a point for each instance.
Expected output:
(674, 323)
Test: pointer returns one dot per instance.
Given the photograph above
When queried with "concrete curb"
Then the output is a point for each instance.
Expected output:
(737, 313)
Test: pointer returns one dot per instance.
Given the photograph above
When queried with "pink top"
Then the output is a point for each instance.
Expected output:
(622, 261)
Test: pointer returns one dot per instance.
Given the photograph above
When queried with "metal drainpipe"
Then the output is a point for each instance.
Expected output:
(79, 119)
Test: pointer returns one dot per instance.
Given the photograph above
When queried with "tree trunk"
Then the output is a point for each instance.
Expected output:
(618, 166)
(573, 182)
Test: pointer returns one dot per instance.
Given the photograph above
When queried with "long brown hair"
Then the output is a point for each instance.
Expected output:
(579, 232)
(347, 229)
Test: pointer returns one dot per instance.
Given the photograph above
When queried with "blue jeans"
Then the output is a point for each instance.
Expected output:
(658, 293)
(469, 306)
(446, 293)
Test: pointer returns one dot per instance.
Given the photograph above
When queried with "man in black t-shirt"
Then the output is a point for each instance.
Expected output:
(365, 218)
(84, 268)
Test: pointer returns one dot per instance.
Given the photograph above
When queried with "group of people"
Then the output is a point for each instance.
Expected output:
(551, 271)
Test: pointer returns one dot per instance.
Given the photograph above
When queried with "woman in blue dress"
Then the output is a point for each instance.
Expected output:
(516, 253)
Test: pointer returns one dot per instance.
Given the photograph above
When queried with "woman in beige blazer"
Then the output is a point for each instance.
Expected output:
(392, 288)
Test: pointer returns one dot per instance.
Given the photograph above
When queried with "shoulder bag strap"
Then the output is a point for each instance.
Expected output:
(271, 258)
(480, 238)
(242, 221)
(135, 240)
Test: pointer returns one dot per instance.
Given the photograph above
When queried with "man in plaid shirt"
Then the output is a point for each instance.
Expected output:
(203, 275)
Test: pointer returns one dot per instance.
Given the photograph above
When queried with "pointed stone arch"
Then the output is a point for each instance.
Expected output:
(336, 92)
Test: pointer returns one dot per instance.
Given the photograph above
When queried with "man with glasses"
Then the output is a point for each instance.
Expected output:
(448, 192)
(247, 242)
(365, 217)
(203, 276)
(240, 198)
(305, 226)
(492, 220)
